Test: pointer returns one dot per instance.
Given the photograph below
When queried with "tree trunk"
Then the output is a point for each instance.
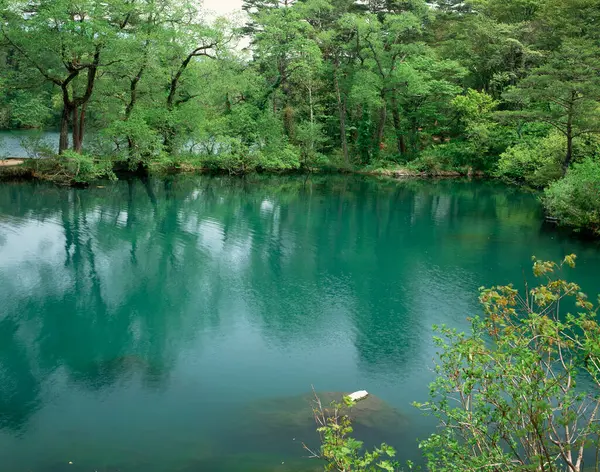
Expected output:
(288, 121)
(130, 106)
(569, 133)
(63, 142)
(79, 145)
(342, 111)
(76, 129)
(311, 106)
(414, 136)
(401, 145)
(82, 101)
(380, 126)
(168, 144)
(130, 148)
(569, 155)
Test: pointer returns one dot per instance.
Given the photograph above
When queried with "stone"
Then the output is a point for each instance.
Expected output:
(359, 395)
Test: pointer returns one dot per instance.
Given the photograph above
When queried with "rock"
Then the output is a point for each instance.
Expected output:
(356, 396)
(295, 413)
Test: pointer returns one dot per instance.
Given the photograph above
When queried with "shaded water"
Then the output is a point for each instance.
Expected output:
(175, 325)
(22, 142)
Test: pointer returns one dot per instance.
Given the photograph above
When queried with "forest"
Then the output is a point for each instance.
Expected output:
(508, 89)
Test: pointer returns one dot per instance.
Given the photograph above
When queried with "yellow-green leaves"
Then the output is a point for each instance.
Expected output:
(509, 393)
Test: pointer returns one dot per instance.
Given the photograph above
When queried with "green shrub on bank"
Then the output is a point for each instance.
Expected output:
(138, 144)
(506, 393)
(536, 163)
(72, 168)
(456, 156)
(235, 157)
(575, 200)
(339, 449)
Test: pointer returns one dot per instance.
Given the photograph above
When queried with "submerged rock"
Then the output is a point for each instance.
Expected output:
(359, 395)
(296, 412)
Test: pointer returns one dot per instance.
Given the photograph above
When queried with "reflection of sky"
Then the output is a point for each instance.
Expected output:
(31, 252)
(141, 329)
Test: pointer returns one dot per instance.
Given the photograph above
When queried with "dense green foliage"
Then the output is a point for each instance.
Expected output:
(506, 88)
(575, 200)
(520, 392)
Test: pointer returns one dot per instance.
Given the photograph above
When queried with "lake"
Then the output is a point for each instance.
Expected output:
(178, 324)
(16, 143)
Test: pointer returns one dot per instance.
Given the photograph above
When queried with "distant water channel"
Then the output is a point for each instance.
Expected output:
(16, 143)
(178, 325)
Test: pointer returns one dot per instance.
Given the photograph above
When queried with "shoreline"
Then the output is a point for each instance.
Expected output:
(398, 173)
(11, 161)
(17, 170)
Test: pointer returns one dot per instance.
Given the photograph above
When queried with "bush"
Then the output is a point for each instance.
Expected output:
(339, 450)
(506, 393)
(137, 143)
(72, 168)
(277, 159)
(232, 156)
(519, 392)
(535, 163)
(575, 200)
(310, 139)
(458, 156)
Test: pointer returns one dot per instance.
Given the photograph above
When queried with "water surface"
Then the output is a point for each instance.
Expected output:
(23, 143)
(175, 325)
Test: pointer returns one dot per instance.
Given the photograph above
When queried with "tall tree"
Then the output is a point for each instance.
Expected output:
(64, 41)
(564, 93)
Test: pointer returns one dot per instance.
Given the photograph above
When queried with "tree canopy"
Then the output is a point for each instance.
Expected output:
(436, 86)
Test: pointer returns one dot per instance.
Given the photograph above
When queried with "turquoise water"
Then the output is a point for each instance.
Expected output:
(177, 325)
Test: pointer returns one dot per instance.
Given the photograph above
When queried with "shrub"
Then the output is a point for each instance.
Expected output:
(232, 156)
(454, 156)
(519, 392)
(506, 394)
(310, 139)
(72, 168)
(276, 159)
(137, 143)
(575, 200)
(536, 162)
(342, 452)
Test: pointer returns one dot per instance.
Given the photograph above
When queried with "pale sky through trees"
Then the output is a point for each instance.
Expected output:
(223, 6)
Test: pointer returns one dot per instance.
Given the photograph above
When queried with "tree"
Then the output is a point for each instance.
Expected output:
(188, 41)
(519, 392)
(284, 51)
(564, 93)
(575, 200)
(64, 42)
(386, 47)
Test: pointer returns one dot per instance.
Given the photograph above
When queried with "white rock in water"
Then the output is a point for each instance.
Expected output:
(356, 396)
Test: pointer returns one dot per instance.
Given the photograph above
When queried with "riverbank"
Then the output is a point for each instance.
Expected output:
(15, 169)
(10, 162)
(400, 172)
(81, 170)
(45, 169)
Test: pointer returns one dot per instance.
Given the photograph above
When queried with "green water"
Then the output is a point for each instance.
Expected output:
(176, 325)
